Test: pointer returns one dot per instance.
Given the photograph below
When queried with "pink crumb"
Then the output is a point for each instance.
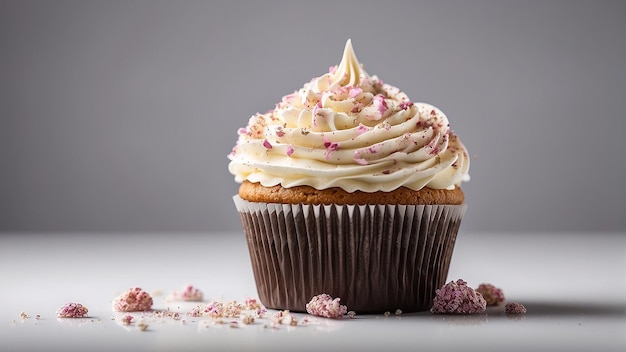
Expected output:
(360, 161)
(214, 309)
(252, 303)
(330, 147)
(195, 312)
(324, 305)
(514, 308)
(267, 144)
(134, 300)
(355, 91)
(456, 297)
(280, 132)
(492, 295)
(188, 293)
(405, 105)
(127, 319)
(381, 104)
(72, 310)
(290, 150)
(361, 129)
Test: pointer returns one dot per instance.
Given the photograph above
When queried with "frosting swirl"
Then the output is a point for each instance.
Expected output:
(348, 129)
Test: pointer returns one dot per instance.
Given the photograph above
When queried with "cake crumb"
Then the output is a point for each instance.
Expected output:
(252, 304)
(195, 312)
(492, 294)
(187, 293)
(324, 305)
(72, 310)
(261, 312)
(514, 308)
(398, 312)
(133, 300)
(23, 315)
(247, 319)
(351, 314)
(387, 313)
(291, 320)
(142, 326)
(456, 297)
(127, 319)
(232, 309)
(214, 309)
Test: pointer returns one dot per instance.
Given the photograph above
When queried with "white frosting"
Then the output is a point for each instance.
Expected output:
(347, 129)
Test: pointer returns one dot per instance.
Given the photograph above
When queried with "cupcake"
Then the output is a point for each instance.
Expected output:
(350, 189)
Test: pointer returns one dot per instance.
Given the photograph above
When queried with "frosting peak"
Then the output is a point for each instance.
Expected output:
(349, 71)
(347, 129)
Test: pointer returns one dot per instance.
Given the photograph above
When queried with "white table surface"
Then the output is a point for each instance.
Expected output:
(573, 285)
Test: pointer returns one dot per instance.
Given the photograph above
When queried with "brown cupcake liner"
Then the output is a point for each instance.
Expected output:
(376, 258)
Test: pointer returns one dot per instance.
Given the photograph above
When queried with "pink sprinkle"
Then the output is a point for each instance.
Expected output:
(332, 69)
(514, 308)
(355, 91)
(290, 150)
(361, 129)
(267, 144)
(330, 146)
(405, 105)
(134, 300)
(242, 130)
(333, 146)
(314, 113)
(72, 310)
(280, 133)
(492, 295)
(324, 305)
(458, 298)
(359, 159)
(327, 142)
(379, 100)
(434, 150)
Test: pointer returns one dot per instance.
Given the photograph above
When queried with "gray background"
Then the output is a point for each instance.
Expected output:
(118, 115)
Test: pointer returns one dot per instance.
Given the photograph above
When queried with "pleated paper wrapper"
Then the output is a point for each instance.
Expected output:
(375, 258)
